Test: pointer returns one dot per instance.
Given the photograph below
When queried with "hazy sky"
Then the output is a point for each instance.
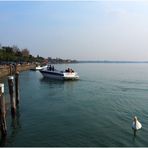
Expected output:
(99, 30)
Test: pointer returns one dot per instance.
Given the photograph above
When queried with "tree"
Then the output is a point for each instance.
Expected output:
(18, 53)
(25, 52)
(8, 49)
(15, 49)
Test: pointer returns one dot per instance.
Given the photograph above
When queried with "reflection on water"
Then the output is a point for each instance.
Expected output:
(51, 81)
(58, 83)
(15, 124)
(15, 127)
(3, 141)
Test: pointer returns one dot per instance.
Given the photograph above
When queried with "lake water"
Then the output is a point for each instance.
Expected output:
(96, 111)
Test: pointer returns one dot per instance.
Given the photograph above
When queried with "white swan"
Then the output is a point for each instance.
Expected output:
(136, 124)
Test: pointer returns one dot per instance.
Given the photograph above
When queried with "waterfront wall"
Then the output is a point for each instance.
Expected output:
(5, 70)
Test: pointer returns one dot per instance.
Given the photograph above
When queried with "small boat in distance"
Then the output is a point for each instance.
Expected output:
(38, 68)
(51, 72)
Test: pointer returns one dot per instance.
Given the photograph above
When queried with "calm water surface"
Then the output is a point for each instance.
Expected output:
(97, 110)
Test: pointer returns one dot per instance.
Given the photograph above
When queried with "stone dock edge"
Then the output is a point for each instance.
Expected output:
(5, 69)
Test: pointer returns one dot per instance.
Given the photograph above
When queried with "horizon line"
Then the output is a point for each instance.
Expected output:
(117, 61)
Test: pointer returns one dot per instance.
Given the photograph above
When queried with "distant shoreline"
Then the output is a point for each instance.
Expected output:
(116, 62)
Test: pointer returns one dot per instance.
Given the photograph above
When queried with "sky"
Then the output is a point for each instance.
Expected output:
(80, 30)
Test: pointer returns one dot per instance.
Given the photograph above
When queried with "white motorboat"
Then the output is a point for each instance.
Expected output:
(38, 68)
(52, 73)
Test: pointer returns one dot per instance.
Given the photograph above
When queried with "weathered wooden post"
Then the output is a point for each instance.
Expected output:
(11, 92)
(3, 126)
(15, 68)
(17, 95)
(10, 68)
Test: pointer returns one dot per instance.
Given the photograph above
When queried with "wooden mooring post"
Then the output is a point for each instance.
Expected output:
(3, 126)
(17, 88)
(11, 69)
(12, 96)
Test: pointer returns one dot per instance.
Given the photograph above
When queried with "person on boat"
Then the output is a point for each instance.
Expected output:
(49, 67)
(52, 68)
(67, 70)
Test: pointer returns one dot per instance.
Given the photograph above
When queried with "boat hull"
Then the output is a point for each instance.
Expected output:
(59, 75)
